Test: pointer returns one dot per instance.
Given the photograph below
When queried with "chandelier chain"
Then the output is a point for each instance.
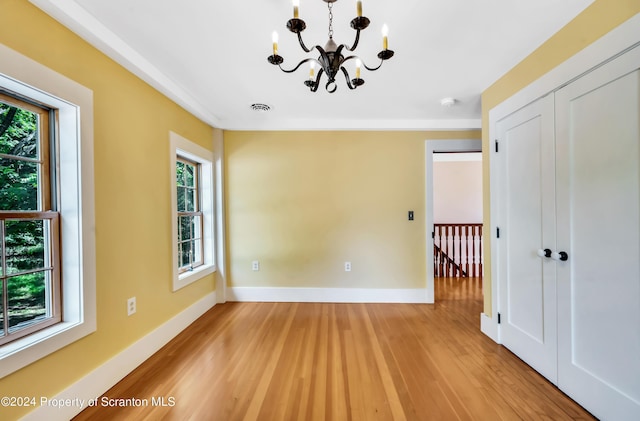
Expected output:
(330, 6)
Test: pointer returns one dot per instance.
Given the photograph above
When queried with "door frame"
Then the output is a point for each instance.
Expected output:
(431, 146)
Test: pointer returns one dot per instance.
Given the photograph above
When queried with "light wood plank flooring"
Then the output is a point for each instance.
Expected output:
(292, 361)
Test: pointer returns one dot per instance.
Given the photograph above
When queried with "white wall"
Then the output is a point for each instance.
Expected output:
(457, 188)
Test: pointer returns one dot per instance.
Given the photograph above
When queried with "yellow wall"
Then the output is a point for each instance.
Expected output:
(594, 22)
(303, 203)
(133, 213)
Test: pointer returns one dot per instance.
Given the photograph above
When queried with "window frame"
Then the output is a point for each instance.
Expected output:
(196, 213)
(184, 149)
(55, 300)
(74, 136)
(46, 143)
(45, 211)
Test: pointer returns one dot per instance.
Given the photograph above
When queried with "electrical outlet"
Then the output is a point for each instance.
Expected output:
(347, 266)
(131, 306)
(255, 265)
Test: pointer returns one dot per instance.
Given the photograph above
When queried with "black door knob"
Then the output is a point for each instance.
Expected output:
(561, 256)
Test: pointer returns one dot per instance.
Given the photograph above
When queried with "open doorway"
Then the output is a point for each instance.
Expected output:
(454, 247)
(457, 214)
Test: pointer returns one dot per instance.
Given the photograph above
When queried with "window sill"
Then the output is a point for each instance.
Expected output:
(24, 351)
(192, 276)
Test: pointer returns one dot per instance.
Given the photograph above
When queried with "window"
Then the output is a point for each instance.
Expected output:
(47, 239)
(192, 196)
(29, 265)
(190, 242)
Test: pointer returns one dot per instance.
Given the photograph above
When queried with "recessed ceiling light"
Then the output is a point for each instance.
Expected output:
(262, 108)
(447, 102)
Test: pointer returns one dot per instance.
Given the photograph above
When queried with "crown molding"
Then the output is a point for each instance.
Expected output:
(85, 25)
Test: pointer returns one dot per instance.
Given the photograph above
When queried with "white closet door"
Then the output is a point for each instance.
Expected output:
(526, 219)
(598, 200)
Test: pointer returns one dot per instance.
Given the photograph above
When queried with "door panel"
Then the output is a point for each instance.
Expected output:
(598, 186)
(527, 281)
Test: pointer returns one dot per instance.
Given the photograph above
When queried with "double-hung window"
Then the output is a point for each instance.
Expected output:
(30, 297)
(192, 197)
(47, 225)
(190, 218)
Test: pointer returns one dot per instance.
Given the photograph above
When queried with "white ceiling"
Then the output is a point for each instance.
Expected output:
(210, 56)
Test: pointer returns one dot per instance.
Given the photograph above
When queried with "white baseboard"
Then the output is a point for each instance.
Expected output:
(489, 327)
(108, 374)
(327, 295)
(431, 299)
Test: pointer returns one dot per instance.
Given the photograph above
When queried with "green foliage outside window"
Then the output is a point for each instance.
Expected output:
(24, 240)
(189, 216)
(18, 178)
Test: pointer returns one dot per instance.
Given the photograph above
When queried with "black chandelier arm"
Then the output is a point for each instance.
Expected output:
(321, 51)
(359, 23)
(331, 86)
(371, 69)
(346, 76)
(304, 47)
(355, 42)
(306, 60)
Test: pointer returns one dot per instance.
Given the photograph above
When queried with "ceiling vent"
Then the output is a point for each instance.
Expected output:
(262, 108)
(448, 102)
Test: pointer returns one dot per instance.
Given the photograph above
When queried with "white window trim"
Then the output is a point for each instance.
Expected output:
(182, 147)
(33, 80)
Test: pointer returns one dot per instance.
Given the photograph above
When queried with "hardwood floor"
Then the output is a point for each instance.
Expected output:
(293, 361)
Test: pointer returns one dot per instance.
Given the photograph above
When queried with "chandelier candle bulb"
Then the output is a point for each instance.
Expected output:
(312, 70)
(274, 38)
(385, 35)
(359, 7)
(296, 6)
(358, 66)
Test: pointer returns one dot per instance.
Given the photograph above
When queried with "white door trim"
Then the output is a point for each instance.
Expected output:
(431, 146)
(220, 216)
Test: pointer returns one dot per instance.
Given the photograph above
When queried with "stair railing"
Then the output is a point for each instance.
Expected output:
(457, 250)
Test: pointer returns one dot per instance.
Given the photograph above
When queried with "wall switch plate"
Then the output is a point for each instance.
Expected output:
(131, 306)
(255, 265)
(347, 266)
(410, 215)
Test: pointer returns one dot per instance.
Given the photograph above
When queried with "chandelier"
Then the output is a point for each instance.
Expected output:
(331, 60)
